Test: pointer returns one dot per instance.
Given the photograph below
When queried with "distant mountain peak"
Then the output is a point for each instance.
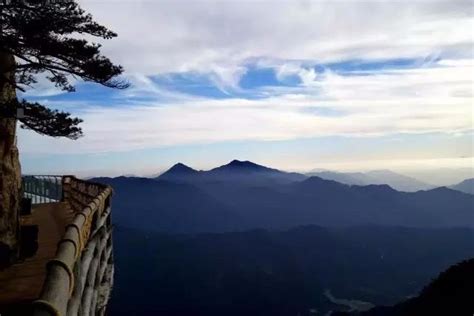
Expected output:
(466, 186)
(244, 166)
(179, 169)
(242, 163)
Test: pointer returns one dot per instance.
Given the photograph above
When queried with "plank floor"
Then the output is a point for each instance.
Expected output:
(22, 282)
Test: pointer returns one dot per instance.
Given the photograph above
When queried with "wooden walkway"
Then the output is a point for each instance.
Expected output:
(22, 282)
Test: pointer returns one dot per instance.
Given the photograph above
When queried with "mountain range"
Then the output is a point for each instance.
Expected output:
(182, 173)
(235, 171)
(244, 195)
(245, 239)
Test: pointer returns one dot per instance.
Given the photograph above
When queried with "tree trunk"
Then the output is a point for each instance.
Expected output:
(10, 172)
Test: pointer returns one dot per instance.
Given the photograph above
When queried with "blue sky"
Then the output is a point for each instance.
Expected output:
(298, 85)
(250, 85)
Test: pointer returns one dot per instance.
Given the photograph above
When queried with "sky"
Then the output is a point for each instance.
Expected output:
(297, 85)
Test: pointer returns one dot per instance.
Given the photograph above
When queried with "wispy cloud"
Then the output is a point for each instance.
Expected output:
(435, 99)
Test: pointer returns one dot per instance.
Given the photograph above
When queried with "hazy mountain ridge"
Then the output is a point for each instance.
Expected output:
(466, 186)
(395, 180)
(443, 176)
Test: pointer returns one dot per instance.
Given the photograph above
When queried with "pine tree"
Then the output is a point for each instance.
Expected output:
(47, 38)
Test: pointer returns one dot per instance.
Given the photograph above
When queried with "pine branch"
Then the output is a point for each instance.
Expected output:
(49, 122)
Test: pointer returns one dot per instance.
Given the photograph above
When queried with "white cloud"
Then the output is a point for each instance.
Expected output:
(220, 37)
(307, 75)
(422, 100)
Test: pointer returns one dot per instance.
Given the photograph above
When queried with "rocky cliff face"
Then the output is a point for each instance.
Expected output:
(10, 172)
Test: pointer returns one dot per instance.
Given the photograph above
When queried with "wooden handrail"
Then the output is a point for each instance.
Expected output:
(84, 261)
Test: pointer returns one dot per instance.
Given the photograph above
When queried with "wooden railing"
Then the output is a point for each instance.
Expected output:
(80, 277)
